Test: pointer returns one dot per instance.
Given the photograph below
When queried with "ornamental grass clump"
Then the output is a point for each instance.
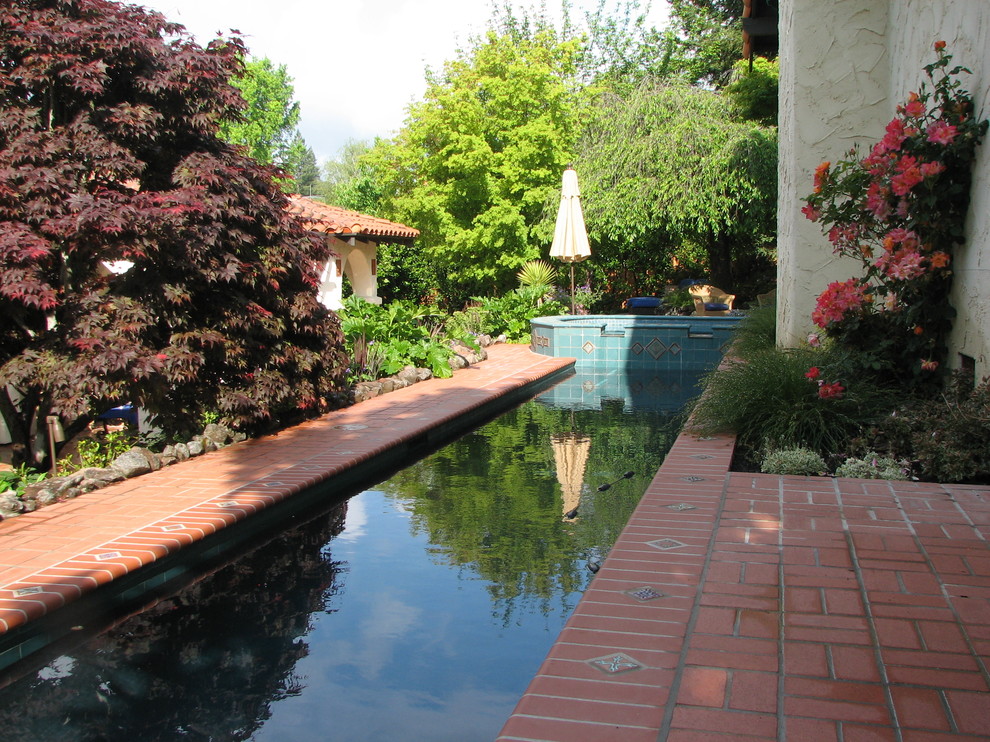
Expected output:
(772, 400)
(900, 212)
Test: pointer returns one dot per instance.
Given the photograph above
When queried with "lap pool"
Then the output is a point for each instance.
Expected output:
(417, 609)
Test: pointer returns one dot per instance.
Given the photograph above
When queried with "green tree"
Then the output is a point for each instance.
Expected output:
(349, 180)
(621, 48)
(481, 154)
(109, 151)
(302, 166)
(267, 126)
(753, 89)
(709, 39)
(666, 174)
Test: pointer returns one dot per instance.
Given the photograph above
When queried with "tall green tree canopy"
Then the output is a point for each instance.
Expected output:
(479, 156)
(267, 126)
(709, 39)
(665, 171)
(110, 151)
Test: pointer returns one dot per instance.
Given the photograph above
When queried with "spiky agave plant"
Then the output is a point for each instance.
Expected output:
(537, 273)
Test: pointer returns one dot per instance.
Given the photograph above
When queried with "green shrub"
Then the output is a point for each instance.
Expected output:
(537, 273)
(872, 466)
(794, 461)
(99, 452)
(769, 402)
(382, 340)
(508, 315)
(16, 480)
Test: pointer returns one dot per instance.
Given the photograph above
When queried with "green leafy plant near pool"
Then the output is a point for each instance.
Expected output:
(382, 340)
(507, 315)
(16, 480)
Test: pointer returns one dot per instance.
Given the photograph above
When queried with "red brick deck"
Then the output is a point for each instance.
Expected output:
(757, 607)
(733, 607)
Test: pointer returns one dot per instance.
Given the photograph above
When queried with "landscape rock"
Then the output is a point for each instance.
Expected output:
(131, 464)
(195, 447)
(206, 443)
(10, 505)
(219, 434)
(150, 457)
(100, 477)
(180, 451)
(409, 375)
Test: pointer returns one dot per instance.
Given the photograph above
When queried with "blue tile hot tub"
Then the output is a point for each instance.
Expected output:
(635, 341)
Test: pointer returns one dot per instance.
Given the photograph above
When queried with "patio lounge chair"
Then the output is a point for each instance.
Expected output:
(710, 301)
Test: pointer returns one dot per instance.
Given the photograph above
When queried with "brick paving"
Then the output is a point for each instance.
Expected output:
(733, 606)
(757, 607)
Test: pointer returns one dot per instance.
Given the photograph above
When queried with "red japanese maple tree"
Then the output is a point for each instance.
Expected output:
(109, 152)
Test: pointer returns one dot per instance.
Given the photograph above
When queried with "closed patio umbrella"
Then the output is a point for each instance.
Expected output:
(570, 237)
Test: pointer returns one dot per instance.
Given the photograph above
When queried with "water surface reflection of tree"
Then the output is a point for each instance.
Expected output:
(204, 664)
(492, 500)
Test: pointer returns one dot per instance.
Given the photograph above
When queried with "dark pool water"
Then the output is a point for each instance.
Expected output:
(418, 609)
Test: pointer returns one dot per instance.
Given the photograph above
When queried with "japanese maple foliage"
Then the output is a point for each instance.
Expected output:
(109, 152)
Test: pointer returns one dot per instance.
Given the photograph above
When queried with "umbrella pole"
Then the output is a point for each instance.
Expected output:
(573, 310)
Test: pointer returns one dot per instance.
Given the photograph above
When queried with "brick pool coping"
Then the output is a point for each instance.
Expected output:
(732, 607)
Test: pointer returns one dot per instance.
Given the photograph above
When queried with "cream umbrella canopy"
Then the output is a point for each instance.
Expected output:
(570, 237)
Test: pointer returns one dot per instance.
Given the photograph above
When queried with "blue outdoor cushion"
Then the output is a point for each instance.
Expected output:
(712, 307)
(642, 302)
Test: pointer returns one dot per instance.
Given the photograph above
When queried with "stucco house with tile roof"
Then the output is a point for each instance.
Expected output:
(844, 67)
(353, 239)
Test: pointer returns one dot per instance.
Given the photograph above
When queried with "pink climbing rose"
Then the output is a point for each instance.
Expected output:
(831, 391)
(941, 133)
(837, 300)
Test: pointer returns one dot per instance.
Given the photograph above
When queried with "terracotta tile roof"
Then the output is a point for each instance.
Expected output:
(321, 217)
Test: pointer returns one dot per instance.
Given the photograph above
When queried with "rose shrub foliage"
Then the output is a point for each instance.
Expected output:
(900, 211)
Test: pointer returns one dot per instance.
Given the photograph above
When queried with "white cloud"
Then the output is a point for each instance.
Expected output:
(356, 64)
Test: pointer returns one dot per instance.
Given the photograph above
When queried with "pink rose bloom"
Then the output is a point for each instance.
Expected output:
(928, 169)
(814, 340)
(831, 391)
(903, 265)
(902, 183)
(811, 212)
(876, 200)
(914, 108)
(929, 365)
(894, 137)
(837, 300)
(813, 373)
(941, 133)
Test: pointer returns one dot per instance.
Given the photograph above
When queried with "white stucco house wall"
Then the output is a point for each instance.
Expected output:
(353, 239)
(844, 67)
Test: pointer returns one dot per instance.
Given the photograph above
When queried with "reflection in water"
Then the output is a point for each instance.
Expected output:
(204, 664)
(460, 572)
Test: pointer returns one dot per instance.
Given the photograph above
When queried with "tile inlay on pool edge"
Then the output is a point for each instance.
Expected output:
(614, 664)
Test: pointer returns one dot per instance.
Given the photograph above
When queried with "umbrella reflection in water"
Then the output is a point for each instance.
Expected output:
(570, 453)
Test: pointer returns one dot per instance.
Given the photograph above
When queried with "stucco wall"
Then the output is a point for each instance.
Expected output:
(845, 65)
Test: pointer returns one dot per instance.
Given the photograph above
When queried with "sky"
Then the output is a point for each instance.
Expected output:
(356, 64)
